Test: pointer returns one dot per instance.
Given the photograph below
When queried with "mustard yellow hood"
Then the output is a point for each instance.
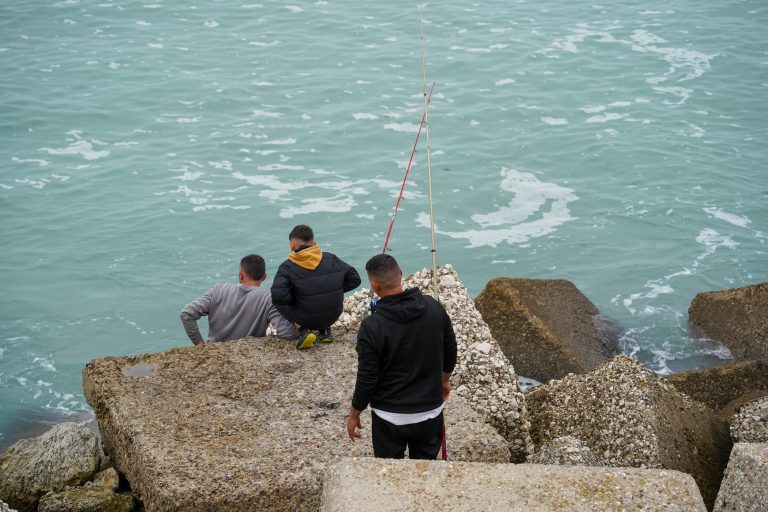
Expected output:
(308, 258)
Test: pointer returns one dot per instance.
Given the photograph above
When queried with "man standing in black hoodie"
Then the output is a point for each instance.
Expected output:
(406, 352)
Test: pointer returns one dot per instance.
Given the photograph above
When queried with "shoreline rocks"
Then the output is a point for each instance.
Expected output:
(546, 327)
(66, 455)
(745, 485)
(629, 417)
(735, 317)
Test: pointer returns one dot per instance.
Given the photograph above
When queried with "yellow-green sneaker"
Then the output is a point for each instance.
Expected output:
(326, 336)
(306, 339)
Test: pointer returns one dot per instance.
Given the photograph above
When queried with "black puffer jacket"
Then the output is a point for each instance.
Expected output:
(403, 349)
(309, 287)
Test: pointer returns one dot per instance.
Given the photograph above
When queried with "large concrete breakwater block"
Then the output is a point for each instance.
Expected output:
(406, 485)
(246, 425)
(745, 486)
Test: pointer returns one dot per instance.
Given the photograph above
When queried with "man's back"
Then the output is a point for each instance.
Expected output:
(311, 285)
(405, 342)
(234, 311)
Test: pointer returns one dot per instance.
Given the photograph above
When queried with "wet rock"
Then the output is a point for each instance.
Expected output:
(735, 317)
(566, 450)
(750, 425)
(383, 484)
(483, 375)
(66, 455)
(246, 425)
(745, 486)
(546, 328)
(719, 386)
(86, 499)
(629, 417)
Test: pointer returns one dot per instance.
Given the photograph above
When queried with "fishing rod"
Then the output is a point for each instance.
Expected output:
(427, 100)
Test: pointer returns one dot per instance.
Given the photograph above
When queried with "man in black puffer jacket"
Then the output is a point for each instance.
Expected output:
(309, 287)
(406, 352)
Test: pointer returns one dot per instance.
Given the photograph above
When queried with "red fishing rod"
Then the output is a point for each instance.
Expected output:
(407, 169)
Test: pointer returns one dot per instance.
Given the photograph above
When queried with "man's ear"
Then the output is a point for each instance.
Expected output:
(374, 284)
(264, 278)
(241, 275)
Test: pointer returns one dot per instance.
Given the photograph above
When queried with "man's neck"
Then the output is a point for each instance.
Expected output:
(250, 282)
(393, 291)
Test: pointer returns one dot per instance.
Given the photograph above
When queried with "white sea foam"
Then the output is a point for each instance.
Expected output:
(263, 113)
(83, 147)
(337, 204)
(224, 164)
(143, 23)
(604, 118)
(39, 162)
(281, 142)
(731, 218)
(554, 121)
(294, 8)
(6, 187)
(45, 363)
(211, 23)
(536, 209)
(712, 241)
(505, 81)
(362, 116)
(402, 127)
(280, 167)
(592, 110)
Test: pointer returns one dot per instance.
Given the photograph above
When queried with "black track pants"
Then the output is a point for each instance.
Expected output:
(422, 439)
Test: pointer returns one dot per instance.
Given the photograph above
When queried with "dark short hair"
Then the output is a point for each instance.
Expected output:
(302, 232)
(384, 268)
(253, 265)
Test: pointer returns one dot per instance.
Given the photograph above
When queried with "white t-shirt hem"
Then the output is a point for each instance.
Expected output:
(410, 418)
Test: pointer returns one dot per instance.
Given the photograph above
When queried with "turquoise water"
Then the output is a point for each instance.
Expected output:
(146, 146)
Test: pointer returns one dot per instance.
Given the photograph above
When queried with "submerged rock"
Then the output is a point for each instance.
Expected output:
(629, 417)
(546, 327)
(750, 425)
(735, 317)
(385, 484)
(483, 375)
(719, 386)
(566, 450)
(745, 486)
(245, 425)
(66, 455)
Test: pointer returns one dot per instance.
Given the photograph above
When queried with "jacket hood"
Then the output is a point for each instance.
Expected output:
(402, 307)
(308, 258)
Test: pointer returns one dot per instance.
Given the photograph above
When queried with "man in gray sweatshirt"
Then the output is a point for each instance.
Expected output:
(237, 310)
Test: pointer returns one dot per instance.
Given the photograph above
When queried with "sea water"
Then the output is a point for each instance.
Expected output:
(146, 146)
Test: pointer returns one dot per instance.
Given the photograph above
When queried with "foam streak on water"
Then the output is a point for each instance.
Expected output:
(146, 147)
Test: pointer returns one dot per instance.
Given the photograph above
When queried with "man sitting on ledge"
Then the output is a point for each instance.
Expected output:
(237, 310)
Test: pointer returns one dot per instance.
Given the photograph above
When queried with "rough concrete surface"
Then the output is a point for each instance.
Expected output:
(66, 455)
(736, 317)
(719, 386)
(483, 374)
(750, 425)
(246, 425)
(392, 485)
(546, 327)
(629, 417)
(5, 508)
(745, 486)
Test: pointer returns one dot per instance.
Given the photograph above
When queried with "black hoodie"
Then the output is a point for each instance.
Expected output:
(403, 348)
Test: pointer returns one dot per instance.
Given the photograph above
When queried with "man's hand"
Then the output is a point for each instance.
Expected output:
(446, 385)
(353, 423)
(199, 342)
